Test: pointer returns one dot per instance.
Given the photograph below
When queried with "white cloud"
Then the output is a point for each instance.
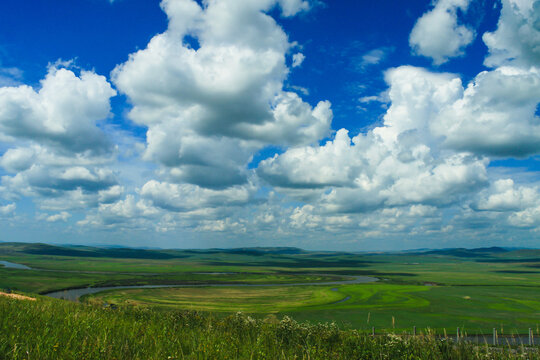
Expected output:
(224, 98)
(210, 92)
(18, 159)
(430, 154)
(43, 179)
(7, 209)
(437, 34)
(373, 57)
(516, 40)
(128, 212)
(298, 59)
(63, 113)
(56, 152)
(368, 99)
(187, 197)
(10, 76)
(496, 115)
(225, 225)
(503, 195)
(111, 194)
(396, 164)
(528, 218)
(293, 7)
(516, 204)
(62, 216)
(332, 164)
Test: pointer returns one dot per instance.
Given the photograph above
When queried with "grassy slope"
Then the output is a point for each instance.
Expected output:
(55, 329)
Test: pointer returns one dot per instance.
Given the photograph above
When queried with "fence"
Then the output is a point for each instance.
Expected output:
(490, 339)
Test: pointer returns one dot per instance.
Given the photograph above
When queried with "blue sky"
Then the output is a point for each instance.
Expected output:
(334, 125)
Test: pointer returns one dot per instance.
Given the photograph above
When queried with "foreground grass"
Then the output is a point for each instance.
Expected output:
(54, 329)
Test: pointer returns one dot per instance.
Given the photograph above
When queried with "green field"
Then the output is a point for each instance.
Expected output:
(55, 329)
(263, 300)
(476, 309)
(475, 290)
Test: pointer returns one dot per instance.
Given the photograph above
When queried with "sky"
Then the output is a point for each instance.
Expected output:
(331, 125)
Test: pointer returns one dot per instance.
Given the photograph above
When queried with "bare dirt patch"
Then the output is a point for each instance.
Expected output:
(17, 296)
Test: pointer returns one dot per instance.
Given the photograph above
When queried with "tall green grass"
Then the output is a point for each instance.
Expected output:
(55, 329)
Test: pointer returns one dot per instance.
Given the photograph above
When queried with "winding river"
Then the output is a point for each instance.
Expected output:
(75, 294)
(11, 265)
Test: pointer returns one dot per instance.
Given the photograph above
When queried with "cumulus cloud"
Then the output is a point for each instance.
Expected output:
(437, 33)
(187, 197)
(414, 220)
(332, 164)
(516, 40)
(516, 205)
(40, 172)
(62, 113)
(210, 92)
(430, 154)
(224, 96)
(397, 164)
(131, 212)
(56, 151)
(528, 218)
(496, 115)
(504, 195)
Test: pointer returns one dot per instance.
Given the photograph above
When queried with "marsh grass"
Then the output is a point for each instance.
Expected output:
(55, 329)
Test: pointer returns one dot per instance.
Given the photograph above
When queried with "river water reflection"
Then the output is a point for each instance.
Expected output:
(11, 265)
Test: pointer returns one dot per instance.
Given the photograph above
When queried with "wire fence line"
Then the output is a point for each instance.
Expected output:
(496, 338)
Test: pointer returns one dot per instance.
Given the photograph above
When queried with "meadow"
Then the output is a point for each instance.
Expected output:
(55, 329)
(436, 291)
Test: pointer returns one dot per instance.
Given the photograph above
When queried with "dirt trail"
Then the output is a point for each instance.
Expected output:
(17, 296)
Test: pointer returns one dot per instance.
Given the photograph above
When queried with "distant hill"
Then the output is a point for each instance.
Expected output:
(135, 253)
(252, 251)
(86, 251)
(467, 253)
(117, 251)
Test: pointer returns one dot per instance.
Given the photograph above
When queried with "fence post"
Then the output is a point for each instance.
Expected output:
(457, 334)
(414, 330)
(494, 336)
(373, 331)
(531, 341)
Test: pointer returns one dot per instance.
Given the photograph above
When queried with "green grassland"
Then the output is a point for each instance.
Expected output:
(473, 289)
(263, 300)
(55, 329)
(476, 309)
